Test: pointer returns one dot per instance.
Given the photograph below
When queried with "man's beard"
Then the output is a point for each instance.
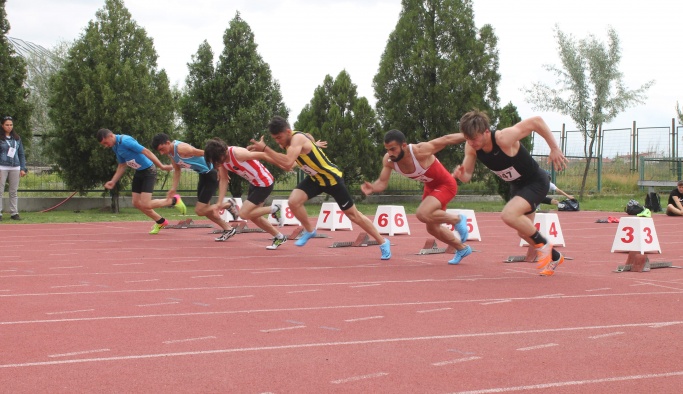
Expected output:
(399, 157)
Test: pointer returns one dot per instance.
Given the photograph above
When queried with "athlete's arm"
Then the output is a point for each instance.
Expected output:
(148, 153)
(186, 150)
(285, 161)
(382, 182)
(223, 181)
(120, 170)
(176, 179)
(243, 154)
(464, 171)
(508, 139)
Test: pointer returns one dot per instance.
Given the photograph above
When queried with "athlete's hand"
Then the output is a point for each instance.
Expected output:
(167, 167)
(257, 146)
(366, 188)
(109, 185)
(458, 172)
(557, 158)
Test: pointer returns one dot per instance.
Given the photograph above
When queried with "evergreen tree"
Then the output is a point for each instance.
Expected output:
(436, 66)
(236, 100)
(13, 92)
(337, 115)
(109, 80)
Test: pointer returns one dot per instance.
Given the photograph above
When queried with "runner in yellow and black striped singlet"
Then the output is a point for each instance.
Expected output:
(323, 177)
(316, 164)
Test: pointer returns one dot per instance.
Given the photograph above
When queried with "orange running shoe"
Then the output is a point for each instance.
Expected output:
(550, 269)
(544, 255)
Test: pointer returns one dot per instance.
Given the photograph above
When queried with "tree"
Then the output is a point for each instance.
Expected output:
(236, 100)
(436, 66)
(13, 92)
(337, 115)
(590, 87)
(109, 80)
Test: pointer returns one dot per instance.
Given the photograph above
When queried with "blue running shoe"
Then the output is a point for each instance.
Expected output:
(460, 254)
(305, 236)
(461, 228)
(386, 249)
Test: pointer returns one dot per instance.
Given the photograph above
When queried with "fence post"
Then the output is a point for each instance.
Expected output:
(563, 140)
(599, 158)
(634, 147)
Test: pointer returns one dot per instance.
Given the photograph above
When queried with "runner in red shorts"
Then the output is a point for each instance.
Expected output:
(417, 161)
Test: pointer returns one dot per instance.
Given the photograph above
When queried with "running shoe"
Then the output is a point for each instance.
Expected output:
(461, 228)
(277, 242)
(233, 209)
(459, 255)
(544, 255)
(226, 234)
(157, 227)
(645, 213)
(386, 249)
(305, 236)
(180, 205)
(277, 215)
(550, 269)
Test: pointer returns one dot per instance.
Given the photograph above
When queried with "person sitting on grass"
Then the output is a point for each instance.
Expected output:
(674, 206)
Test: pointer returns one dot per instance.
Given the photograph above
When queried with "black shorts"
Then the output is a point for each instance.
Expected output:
(533, 192)
(207, 185)
(339, 191)
(257, 194)
(144, 180)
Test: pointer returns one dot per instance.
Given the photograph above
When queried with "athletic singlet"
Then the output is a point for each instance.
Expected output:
(318, 166)
(129, 151)
(251, 170)
(195, 163)
(433, 175)
(521, 168)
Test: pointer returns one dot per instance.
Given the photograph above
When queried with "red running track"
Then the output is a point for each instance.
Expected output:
(105, 307)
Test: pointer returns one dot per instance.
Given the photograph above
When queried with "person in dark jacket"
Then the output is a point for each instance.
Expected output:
(12, 165)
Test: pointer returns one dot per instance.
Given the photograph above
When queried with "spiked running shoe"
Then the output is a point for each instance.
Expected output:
(544, 255)
(550, 268)
(180, 205)
(233, 209)
(459, 255)
(277, 242)
(461, 228)
(305, 236)
(386, 249)
(226, 234)
(157, 227)
(277, 215)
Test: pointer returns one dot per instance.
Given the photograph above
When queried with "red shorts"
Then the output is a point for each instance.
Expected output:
(444, 191)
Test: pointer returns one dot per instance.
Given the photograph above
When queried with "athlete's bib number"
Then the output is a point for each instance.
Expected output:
(308, 170)
(133, 164)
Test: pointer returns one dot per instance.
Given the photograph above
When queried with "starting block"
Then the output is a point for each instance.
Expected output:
(472, 226)
(297, 233)
(529, 258)
(430, 247)
(548, 224)
(363, 239)
(333, 218)
(637, 262)
(188, 223)
(636, 234)
(286, 213)
(391, 219)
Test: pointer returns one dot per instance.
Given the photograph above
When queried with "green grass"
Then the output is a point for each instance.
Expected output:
(593, 203)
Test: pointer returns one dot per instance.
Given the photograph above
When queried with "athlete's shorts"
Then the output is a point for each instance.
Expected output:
(533, 191)
(207, 185)
(144, 180)
(444, 192)
(258, 194)
(339, 191)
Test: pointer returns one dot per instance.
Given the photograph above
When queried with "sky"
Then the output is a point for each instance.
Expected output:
(305, 40)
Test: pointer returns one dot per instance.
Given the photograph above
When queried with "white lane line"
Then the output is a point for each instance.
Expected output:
(66, 312)
(234, 297)
(600, 289)
(188, 340)
(524, 349)
(160, 303)
(364, 318)
(434, 310)
(141, 281)
(573, 383)
(665, 324)
(495, 302)
(78, 353)
(370, 285)
(457, 360)
(66, 268)
(303, 291)
(611, 334)
(362, 377)
(122, 264)
(65, 286)
(282, 329)
(205, 276)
